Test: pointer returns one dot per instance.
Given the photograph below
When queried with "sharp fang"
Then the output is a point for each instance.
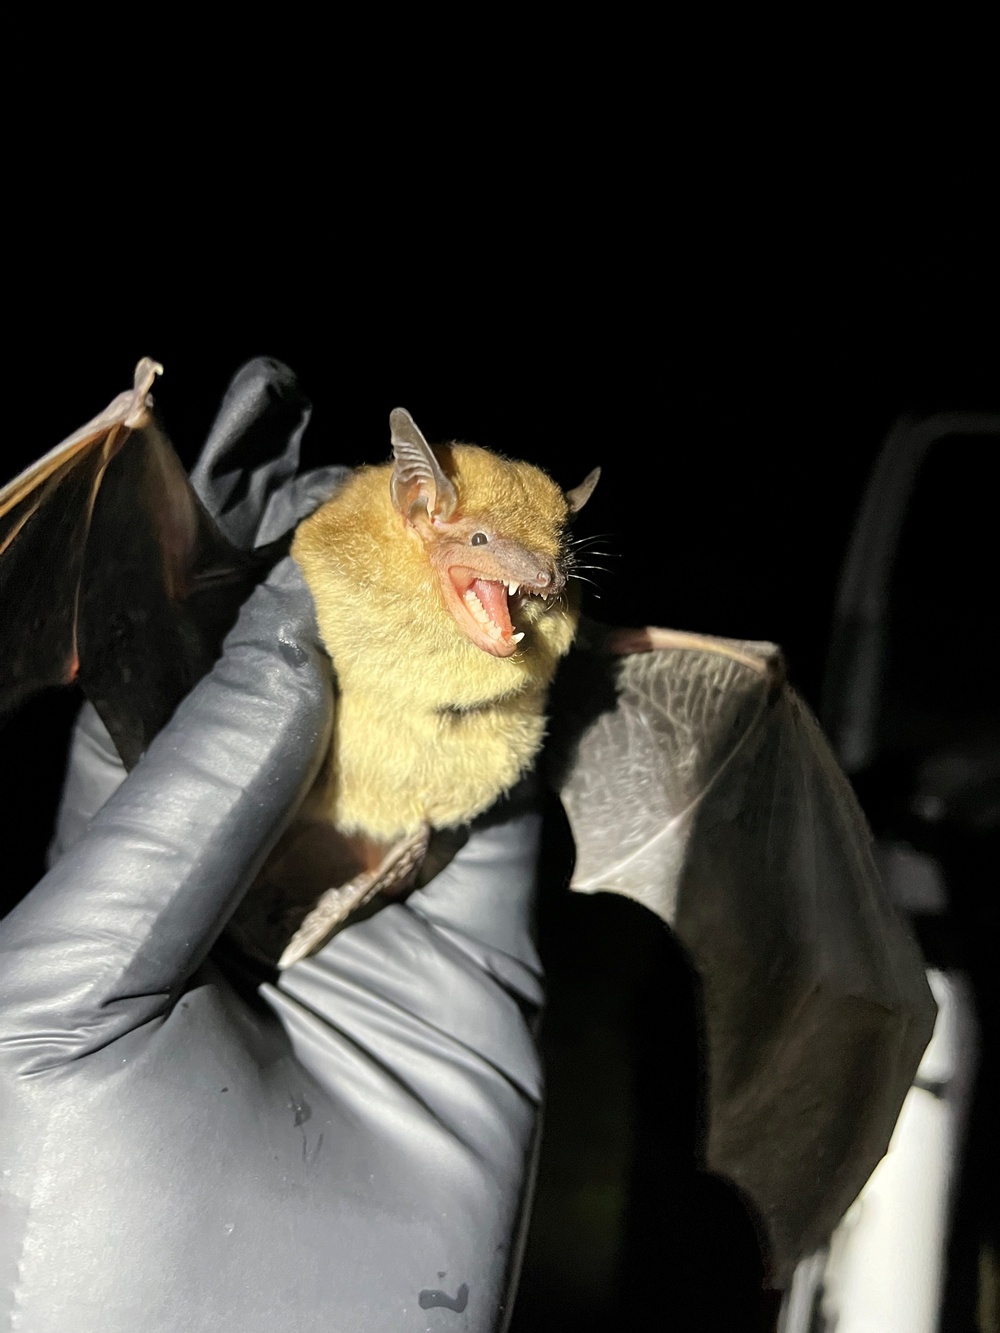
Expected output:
(512, 588)
(516, 638)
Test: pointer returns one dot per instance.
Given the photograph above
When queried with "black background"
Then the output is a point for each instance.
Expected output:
(733, 371)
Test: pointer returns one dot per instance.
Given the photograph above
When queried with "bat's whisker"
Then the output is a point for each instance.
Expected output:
(581, 543)
(582, 578)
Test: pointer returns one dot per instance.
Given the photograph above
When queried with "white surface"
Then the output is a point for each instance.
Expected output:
(884, 1272)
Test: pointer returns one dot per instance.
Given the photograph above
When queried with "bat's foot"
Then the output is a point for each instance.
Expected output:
(394, 874)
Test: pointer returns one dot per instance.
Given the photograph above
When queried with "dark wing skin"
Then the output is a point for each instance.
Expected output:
(697, 783)
(113, 574)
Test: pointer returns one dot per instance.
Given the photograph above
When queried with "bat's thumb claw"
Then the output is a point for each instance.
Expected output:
(145, 373)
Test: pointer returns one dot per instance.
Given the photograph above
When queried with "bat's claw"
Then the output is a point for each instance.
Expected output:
(137, 412)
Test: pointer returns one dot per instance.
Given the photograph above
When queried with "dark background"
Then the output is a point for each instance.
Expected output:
(735, 396)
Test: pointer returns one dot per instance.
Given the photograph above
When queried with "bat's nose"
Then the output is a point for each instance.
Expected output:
(549, 582)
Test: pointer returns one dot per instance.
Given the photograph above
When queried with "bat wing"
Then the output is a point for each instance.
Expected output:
(113, 574)
(697, 783)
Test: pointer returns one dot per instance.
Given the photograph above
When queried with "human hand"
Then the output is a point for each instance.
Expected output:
(347, 1148)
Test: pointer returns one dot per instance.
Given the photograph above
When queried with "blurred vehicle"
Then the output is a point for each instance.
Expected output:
(912, 706)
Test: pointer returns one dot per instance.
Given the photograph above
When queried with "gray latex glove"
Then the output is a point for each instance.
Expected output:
(348, 1149)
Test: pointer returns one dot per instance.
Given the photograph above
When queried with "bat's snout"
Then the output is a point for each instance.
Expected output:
(548, 582)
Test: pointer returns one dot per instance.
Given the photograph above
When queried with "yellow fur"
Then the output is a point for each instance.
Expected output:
(430, 729)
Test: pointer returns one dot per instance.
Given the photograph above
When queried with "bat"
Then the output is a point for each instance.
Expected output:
(695, 781)
(441, 593)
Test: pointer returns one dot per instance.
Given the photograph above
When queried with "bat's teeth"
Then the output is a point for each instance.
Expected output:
(516, 638)
(512, 587)
(481, 614)
(476, 606)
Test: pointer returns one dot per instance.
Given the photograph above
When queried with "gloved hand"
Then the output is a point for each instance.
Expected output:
(346, 1149)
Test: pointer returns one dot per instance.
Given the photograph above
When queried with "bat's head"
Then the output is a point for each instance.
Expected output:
(442, 576)
(494, 532)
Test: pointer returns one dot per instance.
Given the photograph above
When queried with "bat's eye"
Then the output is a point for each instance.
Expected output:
(478, 539)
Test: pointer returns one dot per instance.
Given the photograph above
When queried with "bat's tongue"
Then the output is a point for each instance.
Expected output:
(493, 599)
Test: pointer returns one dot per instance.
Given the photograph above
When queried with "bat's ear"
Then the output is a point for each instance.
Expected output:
(579, 495)
(417, 479)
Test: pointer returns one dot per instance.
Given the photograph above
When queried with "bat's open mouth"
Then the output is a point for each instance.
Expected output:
(482, 608)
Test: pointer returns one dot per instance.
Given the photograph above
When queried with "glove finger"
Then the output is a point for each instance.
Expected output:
(486, 893)
(94, 772)
(100, 945)
(252, 450)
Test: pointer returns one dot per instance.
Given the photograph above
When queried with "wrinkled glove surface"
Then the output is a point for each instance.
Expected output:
(346, 1149)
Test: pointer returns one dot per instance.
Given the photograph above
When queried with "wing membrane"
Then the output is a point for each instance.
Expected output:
(113, 574)
(698, 784)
